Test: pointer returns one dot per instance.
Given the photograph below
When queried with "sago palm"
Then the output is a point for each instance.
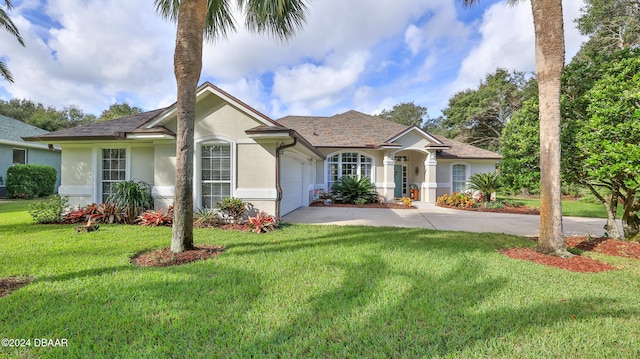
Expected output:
(485, 183)
(212, 19)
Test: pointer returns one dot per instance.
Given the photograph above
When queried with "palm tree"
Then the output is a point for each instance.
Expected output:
(549, 35)
(213, 19)
(8, 25)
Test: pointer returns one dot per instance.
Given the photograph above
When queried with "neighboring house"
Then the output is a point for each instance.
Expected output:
(14, 150)
(275, 166)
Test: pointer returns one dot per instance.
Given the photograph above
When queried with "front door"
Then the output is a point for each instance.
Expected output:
(398, 177)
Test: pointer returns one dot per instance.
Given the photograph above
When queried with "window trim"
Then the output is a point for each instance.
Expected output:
(26, 153)
(100, 170)
(328, 162)
(197, 168)
(467, 174)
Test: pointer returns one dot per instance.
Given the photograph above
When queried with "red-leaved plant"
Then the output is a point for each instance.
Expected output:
(99, 213)
(263, 222)
(156, 218)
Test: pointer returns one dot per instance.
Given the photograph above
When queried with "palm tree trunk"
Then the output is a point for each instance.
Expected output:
(187, 68)
(549, 34)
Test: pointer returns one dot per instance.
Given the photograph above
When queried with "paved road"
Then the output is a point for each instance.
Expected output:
(428, 215)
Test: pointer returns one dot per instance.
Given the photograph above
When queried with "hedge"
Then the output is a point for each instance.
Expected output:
(28, 181)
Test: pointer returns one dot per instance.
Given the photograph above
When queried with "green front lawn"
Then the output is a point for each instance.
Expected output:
(571, 208)
(308, 291)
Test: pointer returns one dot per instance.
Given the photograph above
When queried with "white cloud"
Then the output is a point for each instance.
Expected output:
(100, 52)
(318, 84)
(413, 38)
(350, 54)
(508, 41)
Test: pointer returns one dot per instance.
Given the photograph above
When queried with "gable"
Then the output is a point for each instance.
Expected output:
(210, 99)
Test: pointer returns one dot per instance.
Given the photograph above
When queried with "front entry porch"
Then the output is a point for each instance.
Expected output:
(410, 173)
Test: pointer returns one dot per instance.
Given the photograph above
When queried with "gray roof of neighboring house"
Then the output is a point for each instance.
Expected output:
(349, 129)
(110, 129)
(13, 130)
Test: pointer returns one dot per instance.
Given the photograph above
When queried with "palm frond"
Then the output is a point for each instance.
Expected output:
(280, 19)
(7, 24)
(220, 20)
(5, 73)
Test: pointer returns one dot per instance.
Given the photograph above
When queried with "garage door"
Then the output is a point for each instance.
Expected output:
(291, 183)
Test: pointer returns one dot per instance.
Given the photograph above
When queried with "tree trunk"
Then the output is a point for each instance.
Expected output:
(187, 67)
(611, 206)
(549, 34)
(630, 222)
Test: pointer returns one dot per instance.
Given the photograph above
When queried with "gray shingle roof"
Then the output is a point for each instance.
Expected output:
(463, 150)
(13, 130)
(349, 129)
(356, 129)
(116, 128)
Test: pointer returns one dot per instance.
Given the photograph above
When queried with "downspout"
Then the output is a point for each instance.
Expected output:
(278, 187)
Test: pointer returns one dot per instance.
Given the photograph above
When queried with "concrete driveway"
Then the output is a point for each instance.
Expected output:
(430, 216)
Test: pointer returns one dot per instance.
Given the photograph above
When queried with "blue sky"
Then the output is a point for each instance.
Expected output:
(357, 54)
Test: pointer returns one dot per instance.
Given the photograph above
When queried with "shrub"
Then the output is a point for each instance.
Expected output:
(406, 201)
(156, 218)
(232, 208)
(49, 211)
(205, 217)
(349, 189)
(263, 222)
(460, 200)
(486, 183)
(132, 197)
(28, 181)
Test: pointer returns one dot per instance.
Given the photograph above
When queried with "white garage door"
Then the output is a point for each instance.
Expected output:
(291, 181)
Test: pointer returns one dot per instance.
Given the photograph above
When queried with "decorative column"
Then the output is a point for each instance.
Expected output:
(430, 183)
(388, 186)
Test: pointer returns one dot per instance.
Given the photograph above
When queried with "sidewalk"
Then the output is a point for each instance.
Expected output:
(430, 216)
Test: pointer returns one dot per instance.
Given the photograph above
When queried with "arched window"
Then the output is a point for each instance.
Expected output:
(348, 164)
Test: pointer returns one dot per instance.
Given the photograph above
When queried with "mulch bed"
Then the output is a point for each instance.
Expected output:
(505, 209)
(9, 284)
(366, 205)
(164, 257)
(578, 263)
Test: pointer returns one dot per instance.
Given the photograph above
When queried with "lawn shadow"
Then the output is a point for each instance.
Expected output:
(378, 310)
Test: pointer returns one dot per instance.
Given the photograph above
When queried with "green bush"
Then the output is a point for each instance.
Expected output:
(132, 197)
(50, 210)
(232, 208)
(460, 200)
(350, 189)
(29, 181)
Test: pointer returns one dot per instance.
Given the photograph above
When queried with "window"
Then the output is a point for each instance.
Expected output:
(216, 174)
(19, 156)
(114, 169)
(459, 178)
(348, 164)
